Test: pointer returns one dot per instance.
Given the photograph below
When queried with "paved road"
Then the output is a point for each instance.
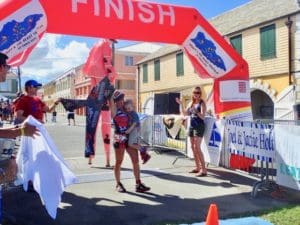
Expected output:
(175, 194)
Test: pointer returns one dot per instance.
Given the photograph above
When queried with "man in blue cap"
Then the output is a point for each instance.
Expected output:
(31, 104)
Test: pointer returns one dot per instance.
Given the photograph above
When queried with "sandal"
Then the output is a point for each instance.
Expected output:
(120, 188)
(201, 175)
(194, 171)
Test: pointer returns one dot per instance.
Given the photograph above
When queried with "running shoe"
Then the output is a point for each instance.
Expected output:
(146, 158)
(141, 188)
(120, 188)
(142, 149)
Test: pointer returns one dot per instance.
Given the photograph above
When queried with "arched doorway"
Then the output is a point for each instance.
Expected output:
(148, 107)
(262, 106)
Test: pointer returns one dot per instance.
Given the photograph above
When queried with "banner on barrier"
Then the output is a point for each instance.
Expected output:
(288, 155)
(211, 144)
(159, 131)
(251, 140)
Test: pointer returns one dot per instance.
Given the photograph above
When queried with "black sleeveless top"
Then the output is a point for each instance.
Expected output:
(196, 121)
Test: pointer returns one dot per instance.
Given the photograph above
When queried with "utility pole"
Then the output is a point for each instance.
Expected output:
(289, 24)
(19, 79)
(113, 50)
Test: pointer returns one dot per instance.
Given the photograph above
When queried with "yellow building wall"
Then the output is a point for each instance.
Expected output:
(278, 83)
(168, 78)
(251, 51)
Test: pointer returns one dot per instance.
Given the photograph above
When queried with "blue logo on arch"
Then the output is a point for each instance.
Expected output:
(14, 31)
(208, 49)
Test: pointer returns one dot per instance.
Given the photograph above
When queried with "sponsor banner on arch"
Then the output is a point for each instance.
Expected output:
(21, 31)
(204, 51)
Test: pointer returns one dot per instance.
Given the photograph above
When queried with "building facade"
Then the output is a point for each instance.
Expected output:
(61, 87)
(82, 86)
(9, 88)
(125, 64)
(267, 39)
(125, 60)
(167, 70)
(49, 92)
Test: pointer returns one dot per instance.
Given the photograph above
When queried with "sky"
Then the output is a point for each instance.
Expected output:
(56, 54)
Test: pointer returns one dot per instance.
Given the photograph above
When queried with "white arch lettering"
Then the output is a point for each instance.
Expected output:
(131, 10)
(169, 13)
(147, 9)
(109, 4)
(75, 4)
(96, 8)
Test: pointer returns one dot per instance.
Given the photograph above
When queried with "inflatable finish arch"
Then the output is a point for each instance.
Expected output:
(23, 22)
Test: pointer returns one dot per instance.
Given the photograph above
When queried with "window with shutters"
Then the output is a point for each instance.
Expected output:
(145, 73)
(236, 43)
(267, 42)
(179, 64)
(156, 69)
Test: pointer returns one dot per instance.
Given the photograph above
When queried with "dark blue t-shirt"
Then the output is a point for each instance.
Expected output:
(134, 118)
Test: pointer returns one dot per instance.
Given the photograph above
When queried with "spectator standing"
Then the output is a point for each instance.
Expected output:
(54, 114)
(31, 104)
(71, 116)
(196, 111)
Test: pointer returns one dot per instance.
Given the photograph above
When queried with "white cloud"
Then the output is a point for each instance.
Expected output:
(52, 58)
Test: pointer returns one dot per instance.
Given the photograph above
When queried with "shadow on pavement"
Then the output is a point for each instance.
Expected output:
(26, 208)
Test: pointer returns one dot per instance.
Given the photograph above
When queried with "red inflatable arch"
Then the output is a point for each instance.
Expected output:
(23, 23)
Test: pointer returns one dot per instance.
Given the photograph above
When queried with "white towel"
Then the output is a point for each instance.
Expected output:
(39, 161)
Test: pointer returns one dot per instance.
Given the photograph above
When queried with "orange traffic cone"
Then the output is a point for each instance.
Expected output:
(212, 216)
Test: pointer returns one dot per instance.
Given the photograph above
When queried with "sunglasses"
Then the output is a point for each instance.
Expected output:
(196, 92)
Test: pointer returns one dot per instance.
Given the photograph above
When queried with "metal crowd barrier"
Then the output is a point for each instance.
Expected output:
(268, 169)
(159, 137)
(263, 168)
(7, 149)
